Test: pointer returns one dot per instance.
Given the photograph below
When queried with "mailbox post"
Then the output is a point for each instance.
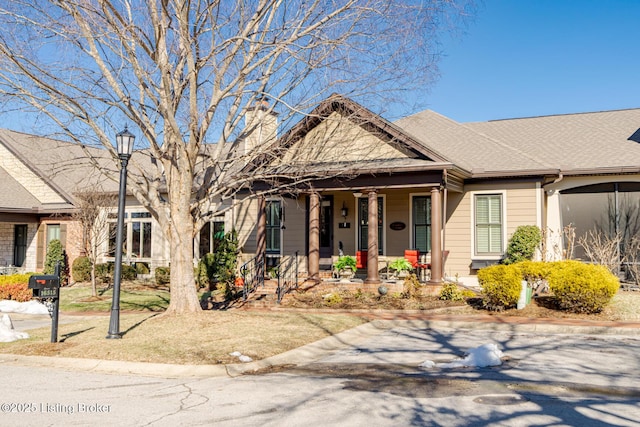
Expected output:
(46, 288)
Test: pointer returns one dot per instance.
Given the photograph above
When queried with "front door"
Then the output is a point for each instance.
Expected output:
(326, 227)
(20, 245)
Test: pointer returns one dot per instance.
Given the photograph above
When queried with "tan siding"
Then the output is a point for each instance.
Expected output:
(457, 235)
(246, 221)
(293, 236)
(338, 139)
(521, 210)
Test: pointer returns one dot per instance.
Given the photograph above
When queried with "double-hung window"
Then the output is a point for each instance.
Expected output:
(488, 225)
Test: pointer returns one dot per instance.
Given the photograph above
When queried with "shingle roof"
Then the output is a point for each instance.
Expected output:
(14, 197)
(465, 147)
(572, 142)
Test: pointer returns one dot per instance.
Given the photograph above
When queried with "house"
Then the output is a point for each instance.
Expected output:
(424, 182)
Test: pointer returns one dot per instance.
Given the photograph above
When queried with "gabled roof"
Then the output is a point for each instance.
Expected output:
(389, 149)
(65, 168)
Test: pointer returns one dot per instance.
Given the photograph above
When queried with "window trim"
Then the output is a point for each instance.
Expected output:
(129, 214)
(503, 197)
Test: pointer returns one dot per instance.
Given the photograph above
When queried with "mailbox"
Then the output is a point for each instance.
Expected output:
(45, 287)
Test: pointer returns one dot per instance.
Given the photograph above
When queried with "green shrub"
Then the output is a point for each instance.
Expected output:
(55, 255)
(501, 285)
(104, 272)
(163, 275)
(523, 244)
(142, 268)
(582, 288)
(128, 272)
(451, 292)
(81, 269)
(205, 271)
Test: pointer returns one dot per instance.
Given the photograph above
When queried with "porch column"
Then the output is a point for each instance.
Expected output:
(372, 238)
(261, 237)
(314, 237)
(436, 235)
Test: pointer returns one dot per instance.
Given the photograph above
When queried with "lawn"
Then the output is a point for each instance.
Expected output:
(205, 338)
(210, 336)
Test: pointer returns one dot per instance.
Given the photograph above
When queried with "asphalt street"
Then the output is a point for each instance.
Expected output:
(366, 376)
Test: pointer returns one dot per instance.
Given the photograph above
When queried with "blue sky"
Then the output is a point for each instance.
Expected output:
(521, 58)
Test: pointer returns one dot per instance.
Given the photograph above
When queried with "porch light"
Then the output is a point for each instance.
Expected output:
(344, 211)
(124, 143)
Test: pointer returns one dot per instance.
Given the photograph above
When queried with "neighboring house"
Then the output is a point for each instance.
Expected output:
(425, 182)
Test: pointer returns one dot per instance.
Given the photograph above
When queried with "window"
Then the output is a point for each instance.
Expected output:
(53, 233)
(274, 214)
(421, 217)
(488, 224)
(210, 236)
(363, 226)
(137, 235)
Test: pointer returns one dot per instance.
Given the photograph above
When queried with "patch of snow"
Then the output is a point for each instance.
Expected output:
(29, 307)
(482, 356)
(241, 357)
(8, 333)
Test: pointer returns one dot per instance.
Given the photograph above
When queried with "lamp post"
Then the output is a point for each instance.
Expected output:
(124, 143)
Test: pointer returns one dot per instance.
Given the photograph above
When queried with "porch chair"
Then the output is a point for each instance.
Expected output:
(413, 256)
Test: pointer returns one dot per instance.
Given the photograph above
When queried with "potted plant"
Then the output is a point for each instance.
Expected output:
(345, 266)
(401, 266)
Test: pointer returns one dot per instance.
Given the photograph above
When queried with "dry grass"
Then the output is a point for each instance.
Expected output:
(205, 338)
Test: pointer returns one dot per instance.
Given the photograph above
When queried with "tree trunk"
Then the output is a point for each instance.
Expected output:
(184, 296)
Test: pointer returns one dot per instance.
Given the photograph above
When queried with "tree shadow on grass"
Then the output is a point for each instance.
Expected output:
(73, 334)
(132, 327)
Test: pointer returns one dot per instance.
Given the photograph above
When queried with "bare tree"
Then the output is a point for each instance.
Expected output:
(184, 74)
(92, 215)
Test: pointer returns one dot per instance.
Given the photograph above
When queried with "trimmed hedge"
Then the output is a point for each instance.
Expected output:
(582, 288)
(501, 286)
(523, 244)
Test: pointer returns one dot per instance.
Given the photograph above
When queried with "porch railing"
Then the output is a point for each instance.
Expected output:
(252, 273)
(287, 274)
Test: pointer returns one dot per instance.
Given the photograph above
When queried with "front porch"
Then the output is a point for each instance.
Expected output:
(322, 226)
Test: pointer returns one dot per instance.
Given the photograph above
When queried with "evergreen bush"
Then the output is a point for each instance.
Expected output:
(523, 244)
(55, 254)
(163, 275)
(81, 269)
(128, 272)
(104, 272)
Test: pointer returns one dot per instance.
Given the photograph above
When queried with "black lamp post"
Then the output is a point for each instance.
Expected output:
(124, 142)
